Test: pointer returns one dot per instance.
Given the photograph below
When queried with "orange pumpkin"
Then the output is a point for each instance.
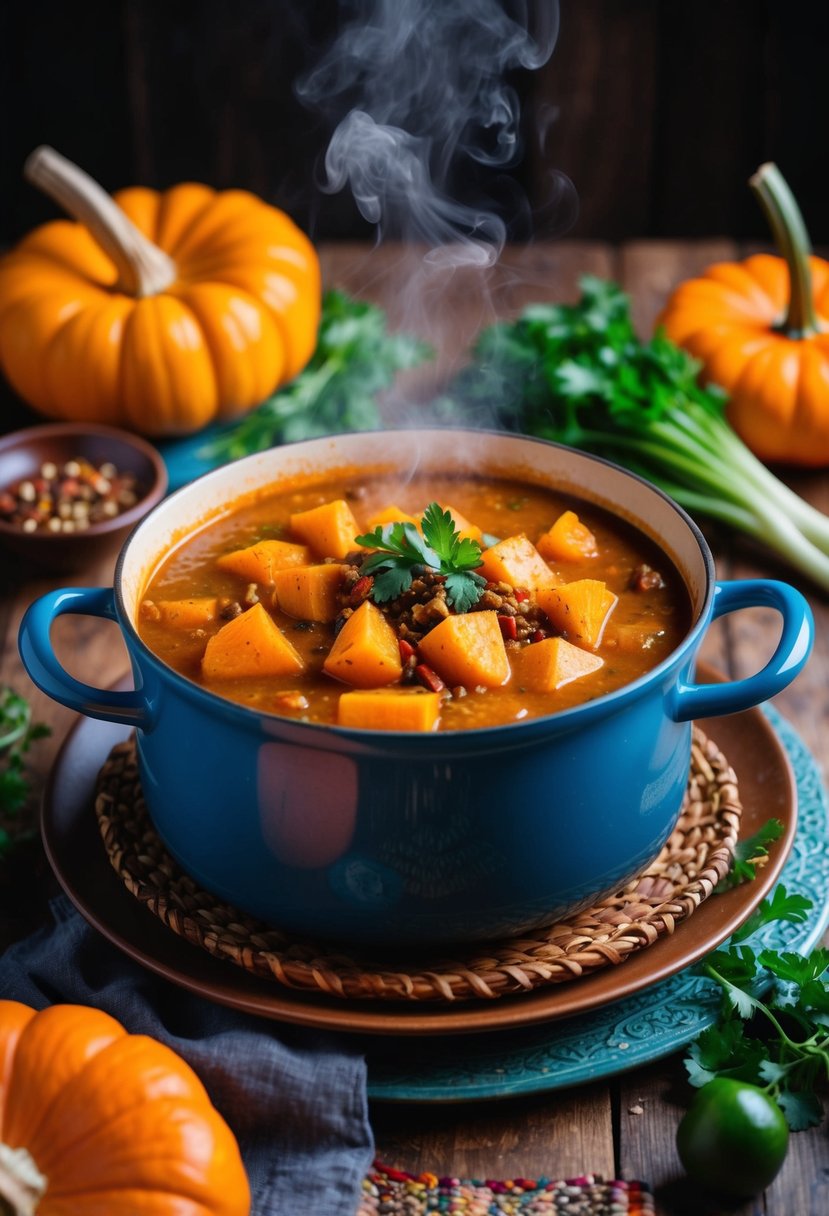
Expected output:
(760, 328)
(155, 311)
(99, 1122)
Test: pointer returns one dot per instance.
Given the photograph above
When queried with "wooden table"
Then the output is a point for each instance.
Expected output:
(595, 1127)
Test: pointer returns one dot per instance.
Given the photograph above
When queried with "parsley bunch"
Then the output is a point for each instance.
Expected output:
(17, 733)
(780, 1044)
(578, 374)
(401, 548)
(355, 359)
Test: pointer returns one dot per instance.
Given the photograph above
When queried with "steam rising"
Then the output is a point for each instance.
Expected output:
(421, 84)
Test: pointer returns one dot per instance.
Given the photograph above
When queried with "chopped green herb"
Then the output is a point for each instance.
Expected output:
(401, 548)
(355, 359)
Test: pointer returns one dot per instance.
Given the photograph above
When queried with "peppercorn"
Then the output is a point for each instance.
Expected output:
(69, 497)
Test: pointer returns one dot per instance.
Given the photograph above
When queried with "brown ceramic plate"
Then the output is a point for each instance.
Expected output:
(76, 852)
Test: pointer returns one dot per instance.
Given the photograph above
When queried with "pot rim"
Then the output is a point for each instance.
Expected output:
(312, 733)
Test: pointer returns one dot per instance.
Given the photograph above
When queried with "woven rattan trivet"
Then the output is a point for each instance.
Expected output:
(696, 857)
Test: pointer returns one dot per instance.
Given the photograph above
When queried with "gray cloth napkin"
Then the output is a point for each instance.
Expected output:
(295, 1099)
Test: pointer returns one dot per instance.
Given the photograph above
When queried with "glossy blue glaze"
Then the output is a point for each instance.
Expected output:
(406, 837)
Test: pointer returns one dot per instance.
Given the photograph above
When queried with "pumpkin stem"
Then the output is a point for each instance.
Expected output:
(22, 1186)
(792, 240)
(143, 268)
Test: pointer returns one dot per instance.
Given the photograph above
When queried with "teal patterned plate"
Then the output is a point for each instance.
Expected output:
(625, 1033)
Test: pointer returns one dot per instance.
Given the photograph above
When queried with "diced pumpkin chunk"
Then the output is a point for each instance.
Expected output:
(189, 614)
(580, 609)
(309, 592)
(550, 664)
(634, 636)
(250, 645)
(390, 515)
(463, 526)
(390, 709)
(329, 529)
(467, 649)
(568, 540)
(257, 563)
(516, 560)
(365, 652)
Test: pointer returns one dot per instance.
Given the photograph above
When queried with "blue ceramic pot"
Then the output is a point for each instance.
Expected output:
(375, 836)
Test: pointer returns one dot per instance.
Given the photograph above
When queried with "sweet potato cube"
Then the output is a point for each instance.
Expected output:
(550, 664)
(365, 652)
(568, 540)
(257, 563)
(189, 614)
(250, 645)
(580, 609)
(516, 560)
(390, 709)
(390, 515)
(463, 526)
(467, 649)
(329, 529)
(309, 592)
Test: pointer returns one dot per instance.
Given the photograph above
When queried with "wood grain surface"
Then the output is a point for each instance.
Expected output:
(597, 1127)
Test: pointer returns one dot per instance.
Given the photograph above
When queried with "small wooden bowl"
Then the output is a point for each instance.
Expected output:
(22, 453)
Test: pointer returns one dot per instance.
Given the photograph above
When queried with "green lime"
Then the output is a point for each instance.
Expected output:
(733, 1138)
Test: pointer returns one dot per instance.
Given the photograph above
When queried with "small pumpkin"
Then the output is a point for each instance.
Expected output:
(760, 328)
(97, 1121)
(156, 311)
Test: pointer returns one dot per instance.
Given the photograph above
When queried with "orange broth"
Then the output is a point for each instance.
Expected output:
(645, 625)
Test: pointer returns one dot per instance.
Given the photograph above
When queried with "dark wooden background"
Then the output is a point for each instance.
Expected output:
(656, 110)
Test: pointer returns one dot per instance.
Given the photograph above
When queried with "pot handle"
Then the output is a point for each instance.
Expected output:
(41, 662)
(687, 701)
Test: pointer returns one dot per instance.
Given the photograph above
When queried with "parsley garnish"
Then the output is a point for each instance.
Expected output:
(17, 733)
(780, 1043)
(751, 853)
(438, 546)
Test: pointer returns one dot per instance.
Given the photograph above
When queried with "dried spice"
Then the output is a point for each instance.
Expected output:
(68, 497)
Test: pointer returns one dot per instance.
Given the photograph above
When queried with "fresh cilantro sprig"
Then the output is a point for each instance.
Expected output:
(17, 733)
(401, 547)
(779, 1042)
(355, 359)
(751, 853)
(579, 374)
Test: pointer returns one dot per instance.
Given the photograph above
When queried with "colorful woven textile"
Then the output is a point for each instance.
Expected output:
(391, 1192)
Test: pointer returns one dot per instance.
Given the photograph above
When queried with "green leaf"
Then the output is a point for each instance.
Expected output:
(466, 554)
(802, 1110)
(771, 1072)
(725, 1049)
(748, 852)
(780, 906)
(439, 530)
(794, 968)
(390, 583)
(463, 590)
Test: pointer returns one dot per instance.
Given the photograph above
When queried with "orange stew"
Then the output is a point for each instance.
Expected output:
(530, 602)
